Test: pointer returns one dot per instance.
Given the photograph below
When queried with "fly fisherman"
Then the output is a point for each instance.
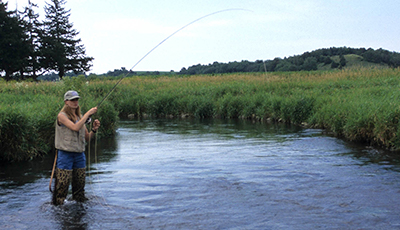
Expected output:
(70, 138)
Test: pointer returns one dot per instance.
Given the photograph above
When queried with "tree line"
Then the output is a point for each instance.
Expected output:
(307, 61)
(116, 73)
(49, 49)
(330, 58)
(30, 48)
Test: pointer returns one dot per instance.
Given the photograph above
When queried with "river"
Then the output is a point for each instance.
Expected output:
(213, 174)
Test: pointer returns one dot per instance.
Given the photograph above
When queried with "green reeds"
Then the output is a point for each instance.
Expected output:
(357, 104)
(28, 113)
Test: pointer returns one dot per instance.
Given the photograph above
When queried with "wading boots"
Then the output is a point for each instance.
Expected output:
(78, 184)
(63, 178)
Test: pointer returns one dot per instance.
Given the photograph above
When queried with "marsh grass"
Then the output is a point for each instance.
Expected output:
(356, 104)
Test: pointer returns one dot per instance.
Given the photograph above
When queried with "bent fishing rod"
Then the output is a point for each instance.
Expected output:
(155, 47)
(141, 59)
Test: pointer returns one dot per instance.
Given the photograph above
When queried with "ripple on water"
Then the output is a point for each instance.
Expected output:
(171, 174)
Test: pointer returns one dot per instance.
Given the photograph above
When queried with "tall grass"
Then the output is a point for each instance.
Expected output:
(28, 113)
(358, 104)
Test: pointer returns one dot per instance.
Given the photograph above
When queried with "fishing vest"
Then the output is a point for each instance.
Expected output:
(69, 140)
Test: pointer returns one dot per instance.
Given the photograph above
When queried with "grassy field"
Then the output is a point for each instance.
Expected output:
(357, 104)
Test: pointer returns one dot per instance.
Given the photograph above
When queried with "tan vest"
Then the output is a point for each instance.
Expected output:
(68, 140)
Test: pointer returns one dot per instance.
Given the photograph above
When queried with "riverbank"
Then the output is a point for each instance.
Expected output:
(357, 104)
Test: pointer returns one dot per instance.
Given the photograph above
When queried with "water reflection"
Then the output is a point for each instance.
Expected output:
(368, 155)
(213, 174)
(17, 174)
(227, 128)
(72, 215)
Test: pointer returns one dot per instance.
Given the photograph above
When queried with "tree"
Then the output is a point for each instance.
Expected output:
(13, 47)
(394, 61)
(334, 65)
(371, 56)
(327, 60)
(310, 64)
(33, 30)
(271, 65)
(60, 50)
(286, 65)
(342, 61)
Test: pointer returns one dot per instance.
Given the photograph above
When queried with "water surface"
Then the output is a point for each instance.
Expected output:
(213, 174)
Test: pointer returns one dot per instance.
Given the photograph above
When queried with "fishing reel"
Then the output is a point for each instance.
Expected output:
(88, 121)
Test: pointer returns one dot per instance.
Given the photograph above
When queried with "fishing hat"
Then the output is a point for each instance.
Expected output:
(70, 95)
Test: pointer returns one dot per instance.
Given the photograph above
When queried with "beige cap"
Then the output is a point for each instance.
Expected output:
(70, 95)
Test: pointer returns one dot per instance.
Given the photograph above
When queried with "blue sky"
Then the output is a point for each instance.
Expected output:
(118, 33)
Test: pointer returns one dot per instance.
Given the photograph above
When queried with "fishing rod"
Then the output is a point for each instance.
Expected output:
(141, 59)
(155, 47)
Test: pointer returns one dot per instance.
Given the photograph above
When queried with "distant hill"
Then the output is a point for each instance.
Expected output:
(321, 59)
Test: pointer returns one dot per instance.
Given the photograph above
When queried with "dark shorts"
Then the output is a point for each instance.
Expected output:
(71, 160)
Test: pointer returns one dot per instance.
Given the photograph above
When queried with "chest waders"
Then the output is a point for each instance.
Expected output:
(63, 177)
(78, 184)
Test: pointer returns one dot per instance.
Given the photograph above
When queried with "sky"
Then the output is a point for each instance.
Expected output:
(119, 33)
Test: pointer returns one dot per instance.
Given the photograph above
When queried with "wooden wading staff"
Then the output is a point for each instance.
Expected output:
(52, 172)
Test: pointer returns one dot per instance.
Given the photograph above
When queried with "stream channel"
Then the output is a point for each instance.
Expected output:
(213, 174)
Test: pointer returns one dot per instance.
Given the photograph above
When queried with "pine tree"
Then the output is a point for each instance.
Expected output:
(33, 30)
(60, 50)
(13, 46)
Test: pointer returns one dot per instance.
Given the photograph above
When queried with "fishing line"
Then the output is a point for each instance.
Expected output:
(141, 59)
(155, 47)
(89, 175)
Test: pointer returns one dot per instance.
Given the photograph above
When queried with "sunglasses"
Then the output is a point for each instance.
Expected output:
(76, 99)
